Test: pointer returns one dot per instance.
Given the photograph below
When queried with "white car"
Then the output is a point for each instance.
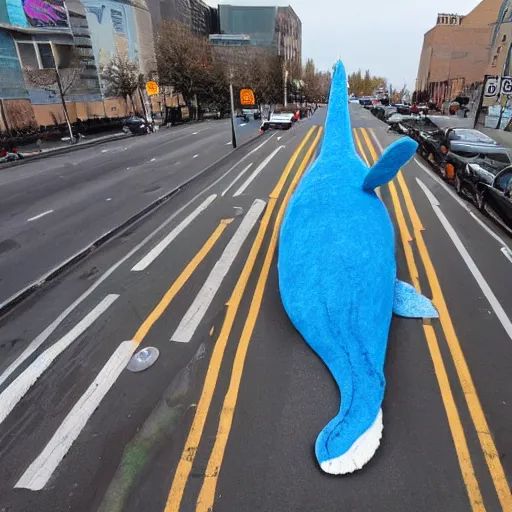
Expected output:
(283, 121)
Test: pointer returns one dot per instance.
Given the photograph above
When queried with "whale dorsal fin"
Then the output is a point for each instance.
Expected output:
(411, 304)
(389, 163)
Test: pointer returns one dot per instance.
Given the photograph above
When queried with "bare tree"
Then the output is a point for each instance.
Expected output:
(122, 78)
(184, 60)
(61, 78)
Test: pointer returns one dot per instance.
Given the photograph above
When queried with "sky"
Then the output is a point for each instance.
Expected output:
(384, 36)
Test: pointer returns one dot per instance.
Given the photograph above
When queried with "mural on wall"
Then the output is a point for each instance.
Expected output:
(504, 16)
(46, 13)
(112, 29)
(37, 13)
(337, 279)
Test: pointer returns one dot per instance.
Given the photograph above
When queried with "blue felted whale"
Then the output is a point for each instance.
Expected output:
(337, 278)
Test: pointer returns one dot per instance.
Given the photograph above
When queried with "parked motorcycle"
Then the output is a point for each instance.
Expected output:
(137, 126)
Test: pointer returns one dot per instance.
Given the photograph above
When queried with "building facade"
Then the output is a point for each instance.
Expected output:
(278, 30)
(200, 17)
(81, 35)
(455, 53)
(501, 41)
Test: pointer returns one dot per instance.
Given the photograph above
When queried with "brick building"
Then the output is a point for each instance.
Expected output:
(455, 53)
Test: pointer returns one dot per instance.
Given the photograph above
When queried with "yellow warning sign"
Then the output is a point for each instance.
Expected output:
(152, 88)
(247, 97)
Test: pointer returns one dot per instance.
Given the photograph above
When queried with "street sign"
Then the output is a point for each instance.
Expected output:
(491, 91)
(247, 97)
(506, 85)
(152, 88)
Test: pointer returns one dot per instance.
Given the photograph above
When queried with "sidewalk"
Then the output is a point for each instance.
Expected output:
(53, 146)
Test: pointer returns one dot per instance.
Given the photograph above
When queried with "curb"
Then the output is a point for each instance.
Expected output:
(60, 151)
(73, 147)
(26, 292)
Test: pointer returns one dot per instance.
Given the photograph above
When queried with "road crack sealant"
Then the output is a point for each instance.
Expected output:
(156, 430)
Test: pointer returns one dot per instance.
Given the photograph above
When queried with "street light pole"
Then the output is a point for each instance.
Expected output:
(233, 133)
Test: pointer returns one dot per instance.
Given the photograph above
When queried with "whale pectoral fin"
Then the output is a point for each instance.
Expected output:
(389, 163)
(411, 304)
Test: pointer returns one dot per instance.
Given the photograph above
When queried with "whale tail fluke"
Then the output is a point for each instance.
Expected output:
(389, 163)
(361, 451)
(351, 438)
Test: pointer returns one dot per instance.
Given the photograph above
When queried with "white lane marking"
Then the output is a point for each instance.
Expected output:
(261, 145)
(237, 178)
(44, 335)
(194, 133)
(127, 168)
(462, 203)
(452, 192)
(40, 471)
(243, 124)
(258, 169)
(484, 286)
(279, 138)
(228, 143)
(40, 215)
(159, 248)
(109, 199)
(507, 253)
(153, 159)
(16, 390)
(204, 298)
(195, 156)
(178, 162)
(104, 150)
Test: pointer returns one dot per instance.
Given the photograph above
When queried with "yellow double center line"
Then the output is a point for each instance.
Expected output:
(470, 394)
(184, 468)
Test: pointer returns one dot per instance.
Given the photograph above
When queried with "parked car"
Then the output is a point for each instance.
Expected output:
(251, 112)
(496, 198)
(398, 123)
(481, 170)
(428, 136)
(365, 102)
(451, 150)
(403, 109)
(278, 121)
(383, 112)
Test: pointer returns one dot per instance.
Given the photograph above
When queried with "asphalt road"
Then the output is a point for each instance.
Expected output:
(53, 207)
(226, 418)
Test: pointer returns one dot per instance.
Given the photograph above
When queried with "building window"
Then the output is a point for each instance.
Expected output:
(28, 55)
(35, 55)
(45, 51)
(498, 50)
(494, 59)
(504, 38)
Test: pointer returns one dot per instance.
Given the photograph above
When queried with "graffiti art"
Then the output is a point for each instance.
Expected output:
(46, 13)
(337, 278)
